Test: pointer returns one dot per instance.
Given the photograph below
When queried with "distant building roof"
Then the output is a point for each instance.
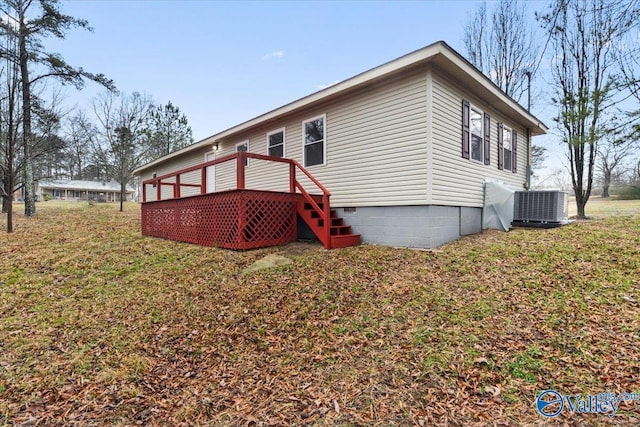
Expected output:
(69, 184)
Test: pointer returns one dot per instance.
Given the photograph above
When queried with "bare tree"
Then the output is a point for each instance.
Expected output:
(48, 147)
(628, 56)
(559, 179)
(32, 21)
(538, 156)
(504, 49)
(613, 149)
(79, 133)
(584, 33)
(10, 118)
(476, 39)
(122, 124)
(611, 159)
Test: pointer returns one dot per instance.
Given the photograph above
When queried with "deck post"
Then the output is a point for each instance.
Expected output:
(292, 178)
(144, 192)
(159, 190)
(203, 180)
(176, 188)
(327, 220)
(240, 160)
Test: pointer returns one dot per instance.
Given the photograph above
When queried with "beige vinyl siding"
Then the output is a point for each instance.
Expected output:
(259, 174)
(392, 137)
(189, 159)
(458, 181)
(377, 143)
(375, 147)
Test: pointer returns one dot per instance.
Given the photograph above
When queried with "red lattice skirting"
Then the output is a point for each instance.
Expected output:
(235, 219)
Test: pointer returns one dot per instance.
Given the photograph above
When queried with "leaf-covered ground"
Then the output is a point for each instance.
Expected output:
(101, 326)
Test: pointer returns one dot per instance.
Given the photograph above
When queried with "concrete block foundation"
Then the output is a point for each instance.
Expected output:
(412, 226)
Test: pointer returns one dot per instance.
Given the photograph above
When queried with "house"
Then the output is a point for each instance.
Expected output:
(79, 190)
(403, 149)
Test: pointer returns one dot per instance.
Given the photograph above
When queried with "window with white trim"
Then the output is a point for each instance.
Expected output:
(243, 146)
(314, 141)
(476, 135)
(275, 143)
(507, 149)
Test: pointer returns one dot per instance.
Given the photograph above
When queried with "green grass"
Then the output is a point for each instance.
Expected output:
(101, 326)
(598, 207)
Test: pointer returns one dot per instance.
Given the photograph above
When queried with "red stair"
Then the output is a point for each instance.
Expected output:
(256, 217)
(340, 235)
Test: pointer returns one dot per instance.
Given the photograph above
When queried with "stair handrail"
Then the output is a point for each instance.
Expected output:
(325, 213)
(311, 177)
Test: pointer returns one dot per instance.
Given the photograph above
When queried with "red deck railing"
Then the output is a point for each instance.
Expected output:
(174, 180)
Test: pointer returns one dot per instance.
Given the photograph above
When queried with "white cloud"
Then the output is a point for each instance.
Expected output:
(330, 84)
(278, 54)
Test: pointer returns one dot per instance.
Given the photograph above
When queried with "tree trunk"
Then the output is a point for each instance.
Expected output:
(29, 188)
(606, 179)
(123, 185)
(10, 216)
(9, 201)
(580, 204)
(581, 201)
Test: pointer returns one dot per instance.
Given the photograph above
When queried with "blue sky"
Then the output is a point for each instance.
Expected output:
(223, 62)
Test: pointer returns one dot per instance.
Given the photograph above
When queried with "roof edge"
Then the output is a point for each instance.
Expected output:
(361, 78)
(407, 60)
(511, 102)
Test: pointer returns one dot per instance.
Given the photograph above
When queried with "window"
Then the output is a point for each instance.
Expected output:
(243, 146)
(154, 175)
(475, 129)
(275, 143)
(507, 148)
(476, 134)
(314, 141)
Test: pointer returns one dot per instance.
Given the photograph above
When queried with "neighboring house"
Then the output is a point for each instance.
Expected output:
(76, 190)
(404, 149)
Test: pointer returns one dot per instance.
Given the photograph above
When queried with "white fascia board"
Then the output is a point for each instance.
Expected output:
(421, 55)
(362, 78)
(458, 61)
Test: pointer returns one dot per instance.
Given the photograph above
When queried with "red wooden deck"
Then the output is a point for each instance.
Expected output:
(241, 218)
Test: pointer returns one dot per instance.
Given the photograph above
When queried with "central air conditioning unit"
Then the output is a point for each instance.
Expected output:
(540, 208)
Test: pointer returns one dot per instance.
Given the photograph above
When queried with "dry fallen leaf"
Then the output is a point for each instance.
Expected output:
(152, 332)
(494, 390)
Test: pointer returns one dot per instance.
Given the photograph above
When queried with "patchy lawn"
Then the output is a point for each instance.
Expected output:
(597, 207)
(100, 326)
